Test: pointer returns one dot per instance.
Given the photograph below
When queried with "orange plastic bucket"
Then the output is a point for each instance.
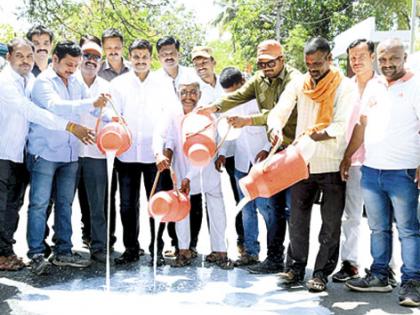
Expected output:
(169, 206)
(114, 137)
(282, 171)
(198, 138)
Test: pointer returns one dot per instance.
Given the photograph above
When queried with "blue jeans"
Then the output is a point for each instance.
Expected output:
(381, 189)
(42, 178)
(95, 177)
(273, 211)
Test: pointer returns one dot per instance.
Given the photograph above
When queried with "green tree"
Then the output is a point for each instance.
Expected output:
(71, 19)
(6, 33)
(293, 46)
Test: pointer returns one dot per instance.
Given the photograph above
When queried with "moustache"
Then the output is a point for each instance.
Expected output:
(42, 50)
(169, 60)
(25, 65)
(91, 63)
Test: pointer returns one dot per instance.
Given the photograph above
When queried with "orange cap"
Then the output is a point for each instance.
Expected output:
(269, 49)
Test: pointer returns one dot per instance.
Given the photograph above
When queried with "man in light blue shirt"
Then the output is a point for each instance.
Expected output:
(53, 155)
(16, 111)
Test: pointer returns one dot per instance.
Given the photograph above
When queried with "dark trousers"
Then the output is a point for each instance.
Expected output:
(239, 227)
(13, 181)
(304, 195)
(129, 179)
(85, 210)
(93, 173)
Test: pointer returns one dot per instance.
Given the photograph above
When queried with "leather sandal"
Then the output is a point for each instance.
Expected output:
(183, 259)
(11, 263)
(316, 285)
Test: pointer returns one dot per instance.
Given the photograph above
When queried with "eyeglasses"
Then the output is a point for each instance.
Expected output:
(184, 93)
(268, 64)
(91, 56)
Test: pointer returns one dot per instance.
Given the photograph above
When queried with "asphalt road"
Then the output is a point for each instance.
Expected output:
(198, 289)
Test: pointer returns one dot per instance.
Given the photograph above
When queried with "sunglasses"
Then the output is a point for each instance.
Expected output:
(268, 64)
(91, 57)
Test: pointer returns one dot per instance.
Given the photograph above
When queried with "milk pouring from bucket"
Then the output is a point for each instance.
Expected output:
(279, 171)
(114, 136)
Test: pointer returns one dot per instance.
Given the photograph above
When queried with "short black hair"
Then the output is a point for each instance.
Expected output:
(370, 44)
(112, 33)
(317, 44)
(229, 77)
(140, 44)
(167, 40)
(11, 46)
(67, 48)
(39, 30)
(89, 38)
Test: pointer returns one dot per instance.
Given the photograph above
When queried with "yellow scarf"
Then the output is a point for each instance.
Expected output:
(324, 94)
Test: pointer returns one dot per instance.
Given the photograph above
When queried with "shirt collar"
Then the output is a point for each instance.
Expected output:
(16, 76)
(407, 76)
(107, 66)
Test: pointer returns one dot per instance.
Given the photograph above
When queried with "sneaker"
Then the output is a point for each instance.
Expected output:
(246, 260)
(266, 267)
(409, 294)
(289, 278)
(99, 256)
(347, 272)
(39, 264)
(71, 260)
(369, 283)
(391, 278)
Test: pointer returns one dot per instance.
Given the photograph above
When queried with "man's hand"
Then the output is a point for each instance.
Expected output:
(344, 168)
(239, 121)
(185, 186)
(101, 100)
(206, 109)
(163, 160)
(417, 179)
(261, 156)
(275, 135)
(220, 162)
(86, 135)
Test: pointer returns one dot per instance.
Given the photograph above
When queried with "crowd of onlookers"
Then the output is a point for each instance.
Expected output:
(366, 131)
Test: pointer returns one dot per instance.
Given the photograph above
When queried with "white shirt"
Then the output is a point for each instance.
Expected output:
(181, 165)
(392, 139)
(142, 106)
(210, 93)
(98, 86)
(328, 153)
(16, 111)
(251, 140)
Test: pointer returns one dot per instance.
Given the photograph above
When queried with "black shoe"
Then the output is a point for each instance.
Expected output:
(127, 257)
(409, 294)
(347, 272)
(39, 265)
(369, 283)
(160, 261)
(391, 278)
(98, 257)
(266, 267)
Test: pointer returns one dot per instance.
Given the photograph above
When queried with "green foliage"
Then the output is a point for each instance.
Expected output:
(6, 33)
(293, 46)
(150, 20)
(225, 56)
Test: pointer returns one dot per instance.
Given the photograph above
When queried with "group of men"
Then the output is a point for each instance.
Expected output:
(367, 153)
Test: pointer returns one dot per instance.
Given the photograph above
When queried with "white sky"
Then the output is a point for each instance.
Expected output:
(205, 11)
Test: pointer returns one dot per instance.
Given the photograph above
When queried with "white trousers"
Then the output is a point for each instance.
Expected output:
(217, 223)
(352, 216)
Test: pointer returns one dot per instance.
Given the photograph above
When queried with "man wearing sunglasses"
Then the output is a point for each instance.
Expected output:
(92, 163)
(265, 86)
